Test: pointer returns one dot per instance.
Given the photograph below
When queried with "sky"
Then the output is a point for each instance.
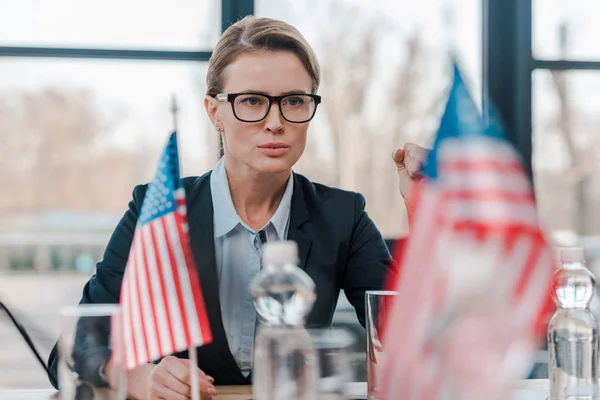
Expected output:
(144, 88)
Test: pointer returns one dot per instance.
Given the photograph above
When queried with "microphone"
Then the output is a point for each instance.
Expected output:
(29, 342)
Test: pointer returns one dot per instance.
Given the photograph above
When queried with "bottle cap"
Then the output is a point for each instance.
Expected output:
(571, 254)
(280, 252)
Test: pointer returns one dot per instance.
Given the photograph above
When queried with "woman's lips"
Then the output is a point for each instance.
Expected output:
(274, 149)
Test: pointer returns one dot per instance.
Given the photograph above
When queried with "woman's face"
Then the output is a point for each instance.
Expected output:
(273, 144)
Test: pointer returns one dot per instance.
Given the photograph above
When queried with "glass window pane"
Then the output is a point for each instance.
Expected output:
(76, 137)
(566, 29)
(81, 117)
(385, 72)
(566, 142)
(175, 25)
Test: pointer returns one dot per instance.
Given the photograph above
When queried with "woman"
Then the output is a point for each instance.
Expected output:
(261, 95)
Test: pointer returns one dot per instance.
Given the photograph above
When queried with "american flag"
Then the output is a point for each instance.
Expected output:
(475, 275)
(161, 300)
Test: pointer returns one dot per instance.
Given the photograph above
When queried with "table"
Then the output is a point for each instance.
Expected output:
(531, 389)
(225, 393)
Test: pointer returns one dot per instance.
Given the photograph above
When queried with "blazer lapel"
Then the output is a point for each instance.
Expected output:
(299, 215)
(200, 218)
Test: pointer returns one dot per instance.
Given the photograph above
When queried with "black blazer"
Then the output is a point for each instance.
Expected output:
(339, 247)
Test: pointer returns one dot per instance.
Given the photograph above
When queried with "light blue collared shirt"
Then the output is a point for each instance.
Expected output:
(237, 250)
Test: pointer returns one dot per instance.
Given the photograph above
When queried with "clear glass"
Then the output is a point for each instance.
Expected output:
(144, 24)
(85, 345)
(285, 364)
(378, 304)
(385, 74)
(566, 29)
(573, 336)
(333, 348)
(566, 143)
(76, 136)
(72, 128)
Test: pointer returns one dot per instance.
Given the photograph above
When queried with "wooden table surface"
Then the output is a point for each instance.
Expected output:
(533, 389)
(225, 393)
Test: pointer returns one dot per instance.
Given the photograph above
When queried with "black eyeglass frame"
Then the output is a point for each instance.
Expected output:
(230, 97)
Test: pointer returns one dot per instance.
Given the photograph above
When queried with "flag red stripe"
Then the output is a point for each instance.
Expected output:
(195, 284)
(540, 325)
(150, 315)
(133, 294)
(411, 289)
(494, 225)
(128, 333)
(151, 288)
(163, 288)
(134, 344)
(490, 195)
(528, 269)
(482, 165)
(181, 305)
(139, 295)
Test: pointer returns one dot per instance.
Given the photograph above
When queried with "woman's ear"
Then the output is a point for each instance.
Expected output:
(210, 104)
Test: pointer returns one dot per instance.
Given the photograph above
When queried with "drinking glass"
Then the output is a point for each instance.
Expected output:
(333, 347)
(87, 341)
(378, 304)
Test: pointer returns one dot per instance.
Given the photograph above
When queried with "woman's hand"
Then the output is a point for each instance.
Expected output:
(409, 163)
(167, 380)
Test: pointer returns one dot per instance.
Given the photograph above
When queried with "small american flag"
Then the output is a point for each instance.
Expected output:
(475, 276)
(161, 300)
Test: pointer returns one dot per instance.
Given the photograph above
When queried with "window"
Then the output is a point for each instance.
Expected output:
(566, 148)
(385, 72)
(566, 30)
(174, 25)
(80, 134)
(565, 103)
(76, 137)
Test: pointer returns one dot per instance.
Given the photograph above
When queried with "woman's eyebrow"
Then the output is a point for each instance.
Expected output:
(267, 94)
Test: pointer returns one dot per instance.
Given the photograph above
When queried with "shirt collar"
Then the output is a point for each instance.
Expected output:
(225, 216)
(280, 219)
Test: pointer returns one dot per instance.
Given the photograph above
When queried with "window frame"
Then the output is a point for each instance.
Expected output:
(231, 11)
(508, 65)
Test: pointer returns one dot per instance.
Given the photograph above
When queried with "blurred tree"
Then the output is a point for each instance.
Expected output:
(580, 174)
(55, 154)
(374, 102)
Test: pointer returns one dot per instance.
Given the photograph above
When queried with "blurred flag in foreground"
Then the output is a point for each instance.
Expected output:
(475, 276)
(161, 300)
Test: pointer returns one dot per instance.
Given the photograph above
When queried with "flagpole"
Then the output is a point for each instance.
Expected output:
(174, 110)
(194, 373)
(193, 356)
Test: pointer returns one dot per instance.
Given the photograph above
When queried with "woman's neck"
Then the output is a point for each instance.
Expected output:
(256, 196)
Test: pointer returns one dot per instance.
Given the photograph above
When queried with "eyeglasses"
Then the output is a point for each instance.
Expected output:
(254, 107)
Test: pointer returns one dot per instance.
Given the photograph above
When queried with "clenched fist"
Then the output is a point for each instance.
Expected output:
(410, 161)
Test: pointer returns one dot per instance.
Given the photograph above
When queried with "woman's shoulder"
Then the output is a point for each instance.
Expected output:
(193, 186)
(328, 195)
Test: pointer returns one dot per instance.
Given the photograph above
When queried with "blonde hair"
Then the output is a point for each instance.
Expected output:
(258, 34)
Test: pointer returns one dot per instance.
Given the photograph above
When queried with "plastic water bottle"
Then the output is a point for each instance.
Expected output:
(285, 362)
(573, 331)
